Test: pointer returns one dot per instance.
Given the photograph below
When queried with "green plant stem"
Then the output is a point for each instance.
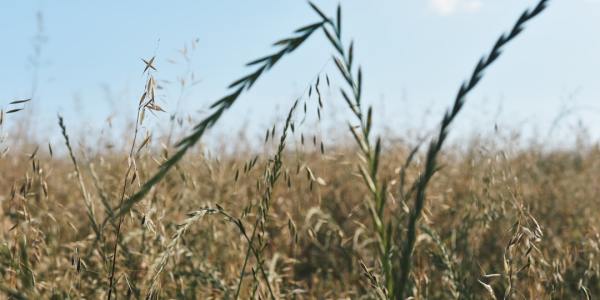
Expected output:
(371, 152)
(436, 144)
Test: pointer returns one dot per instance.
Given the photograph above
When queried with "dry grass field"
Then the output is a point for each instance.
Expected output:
(519, 221)
(522, 221)
(373, 217)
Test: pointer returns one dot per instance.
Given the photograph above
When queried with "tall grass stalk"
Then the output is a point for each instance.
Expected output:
(263, 64)
(396, 279)
(271, 176)
(369, 151)
(436, 144)
(84, 194)
(130, 166)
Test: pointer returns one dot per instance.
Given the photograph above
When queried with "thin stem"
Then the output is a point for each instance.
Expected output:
(242, 272)
(123, 190)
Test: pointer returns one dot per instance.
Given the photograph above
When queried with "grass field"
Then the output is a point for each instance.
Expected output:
(514, 220)
(368, 217)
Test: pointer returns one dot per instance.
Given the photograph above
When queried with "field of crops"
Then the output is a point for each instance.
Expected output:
(298, 217)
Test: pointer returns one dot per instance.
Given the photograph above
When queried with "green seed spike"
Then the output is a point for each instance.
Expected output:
(339, 22)
(350, 55)
(369, 120)
(267, 137)
(376, 155)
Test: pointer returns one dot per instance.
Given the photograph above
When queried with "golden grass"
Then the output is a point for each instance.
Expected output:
(523, 221)
(382, 220)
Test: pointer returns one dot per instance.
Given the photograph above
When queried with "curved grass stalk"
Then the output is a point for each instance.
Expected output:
(436, 144)
(288, 45)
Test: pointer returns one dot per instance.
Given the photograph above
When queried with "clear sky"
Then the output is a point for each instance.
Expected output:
(414, 55)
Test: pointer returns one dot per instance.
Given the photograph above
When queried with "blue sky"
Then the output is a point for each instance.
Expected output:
(414, 55)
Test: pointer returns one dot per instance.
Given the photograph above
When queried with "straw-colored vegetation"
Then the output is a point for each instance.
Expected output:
(299, 219)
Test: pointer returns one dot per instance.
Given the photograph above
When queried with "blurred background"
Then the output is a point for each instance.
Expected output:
(508, 210)
(84, 61)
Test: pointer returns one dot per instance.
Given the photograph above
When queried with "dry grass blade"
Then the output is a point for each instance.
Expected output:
(489, 289)
(84, 194)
